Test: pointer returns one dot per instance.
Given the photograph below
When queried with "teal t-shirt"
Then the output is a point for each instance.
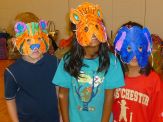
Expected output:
(86, 95)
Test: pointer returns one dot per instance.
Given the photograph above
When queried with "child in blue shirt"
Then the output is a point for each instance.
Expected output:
(30, 95)
(87, 74)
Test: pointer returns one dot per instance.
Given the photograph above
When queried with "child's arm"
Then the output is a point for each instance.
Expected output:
(107, 108)
(12, 110)
(64, 103)
(10, 89)
(155, 104)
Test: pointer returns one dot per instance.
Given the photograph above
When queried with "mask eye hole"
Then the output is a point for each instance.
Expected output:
(39, 38)
(129, 48)
(28, 41)
(140, 49)
(97, 27)
(86, 29)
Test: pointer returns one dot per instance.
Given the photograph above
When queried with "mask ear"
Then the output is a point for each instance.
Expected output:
(119, 39)
(75, 16)
(149, 39)
(43, 25)
(99, 12)
(20, 27)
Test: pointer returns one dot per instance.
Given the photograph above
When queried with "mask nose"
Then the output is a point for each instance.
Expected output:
(33, 46)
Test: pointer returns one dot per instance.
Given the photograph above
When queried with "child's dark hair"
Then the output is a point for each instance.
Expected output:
(144, 71)
(131, 24)
(74, 58)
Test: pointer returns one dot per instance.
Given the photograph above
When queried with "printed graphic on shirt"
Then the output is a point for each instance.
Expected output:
(161, 114)
(87, 88)
(123, 110)
(122, 95)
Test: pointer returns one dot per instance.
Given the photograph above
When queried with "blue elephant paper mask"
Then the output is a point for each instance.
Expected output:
(131, 42)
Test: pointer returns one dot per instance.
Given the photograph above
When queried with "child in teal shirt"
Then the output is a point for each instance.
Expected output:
(87, 75)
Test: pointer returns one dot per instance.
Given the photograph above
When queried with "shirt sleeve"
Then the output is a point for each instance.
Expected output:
(10, 85)
(155, 103)
(114, 77)
(160, 111)
(62, 78)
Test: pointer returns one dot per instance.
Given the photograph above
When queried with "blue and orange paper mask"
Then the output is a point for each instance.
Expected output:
(88, 20)
(31, 36)
(131, 42)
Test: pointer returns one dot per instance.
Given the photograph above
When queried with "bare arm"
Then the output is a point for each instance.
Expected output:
(64, 103)
(12, 110)
(107, 108)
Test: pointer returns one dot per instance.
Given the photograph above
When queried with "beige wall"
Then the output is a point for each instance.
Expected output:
(127, 10)
(116, 12)
(154, 16)
(55, 10)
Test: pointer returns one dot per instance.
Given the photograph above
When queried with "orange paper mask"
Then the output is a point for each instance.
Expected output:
(88, 20)
(31, 36)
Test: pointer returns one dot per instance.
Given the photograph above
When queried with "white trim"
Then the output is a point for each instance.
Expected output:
(10, 98)
(18, 89)
(12, 75)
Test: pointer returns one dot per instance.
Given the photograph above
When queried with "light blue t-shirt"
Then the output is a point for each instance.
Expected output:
(86, 95)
